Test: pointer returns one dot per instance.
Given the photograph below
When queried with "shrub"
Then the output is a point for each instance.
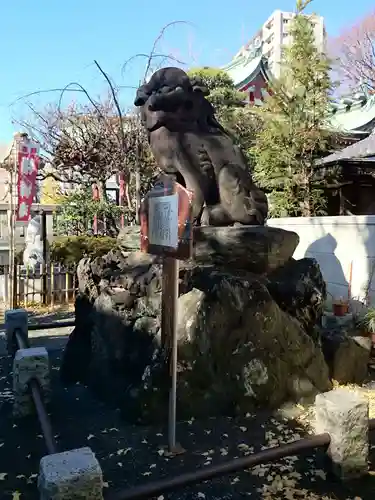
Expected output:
(69, 250)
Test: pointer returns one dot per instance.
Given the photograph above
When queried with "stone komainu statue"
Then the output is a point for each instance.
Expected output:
(191, 145)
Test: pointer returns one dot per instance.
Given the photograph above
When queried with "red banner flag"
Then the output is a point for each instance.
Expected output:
(27, 164)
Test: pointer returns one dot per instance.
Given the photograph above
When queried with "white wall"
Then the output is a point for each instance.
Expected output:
(336, 242)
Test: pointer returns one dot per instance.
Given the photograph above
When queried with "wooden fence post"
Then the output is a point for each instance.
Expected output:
(43, 231)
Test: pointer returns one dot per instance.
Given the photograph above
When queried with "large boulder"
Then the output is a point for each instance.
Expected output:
(346, 350)
(241, 344)
(242, 350)
(300, 290)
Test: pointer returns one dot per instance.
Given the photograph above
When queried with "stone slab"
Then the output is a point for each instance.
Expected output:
(74, 474)
(344, 415)
(257, 249)
(28, 364)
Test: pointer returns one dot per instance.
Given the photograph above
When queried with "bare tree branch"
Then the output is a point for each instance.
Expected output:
(354, 53)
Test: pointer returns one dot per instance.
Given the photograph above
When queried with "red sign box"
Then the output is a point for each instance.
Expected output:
(166, 220)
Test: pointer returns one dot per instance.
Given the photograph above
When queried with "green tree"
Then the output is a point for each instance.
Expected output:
(78, 209)
(230, 106)
(294, 134)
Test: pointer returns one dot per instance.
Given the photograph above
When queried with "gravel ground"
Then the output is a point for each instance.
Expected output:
(132, 455)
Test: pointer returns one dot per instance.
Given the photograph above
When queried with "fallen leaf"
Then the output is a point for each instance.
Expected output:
(3, 475)
(90, 436)
(320, 473)
(16, 495)
(123, 451)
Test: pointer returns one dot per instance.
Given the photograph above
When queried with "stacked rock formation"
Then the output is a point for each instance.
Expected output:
(247, 315)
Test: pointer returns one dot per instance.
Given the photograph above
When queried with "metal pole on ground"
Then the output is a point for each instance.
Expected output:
(166, 230)
(169, 308)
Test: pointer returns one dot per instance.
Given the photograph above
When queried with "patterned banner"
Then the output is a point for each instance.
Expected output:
(27, 165)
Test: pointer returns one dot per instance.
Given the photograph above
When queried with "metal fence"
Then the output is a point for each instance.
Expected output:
(55, 285)
(159, 488)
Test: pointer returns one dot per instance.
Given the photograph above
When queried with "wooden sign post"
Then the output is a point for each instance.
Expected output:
(166, 230)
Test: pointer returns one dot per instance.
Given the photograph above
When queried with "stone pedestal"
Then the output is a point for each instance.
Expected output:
(15, 319)
(29, 364)
(74, 474)
(241, 289)
(255, 248)
(344, 415)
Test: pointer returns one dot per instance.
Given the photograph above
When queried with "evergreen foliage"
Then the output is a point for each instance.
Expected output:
(230, 105)
(294, 135)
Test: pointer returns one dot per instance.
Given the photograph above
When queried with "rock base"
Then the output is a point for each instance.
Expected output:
(245, 329)
(70, 475)
(29, 364)
(344, 415)
(15, 319)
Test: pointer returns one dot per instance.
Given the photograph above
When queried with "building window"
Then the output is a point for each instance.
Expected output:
(285, 21)
(3, 224)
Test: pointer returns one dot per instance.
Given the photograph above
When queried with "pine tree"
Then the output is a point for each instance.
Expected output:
(230, 106)
(294, 135)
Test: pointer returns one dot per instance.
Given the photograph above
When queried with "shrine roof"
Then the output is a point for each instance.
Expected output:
(362, 150)
(351, 114)
(247, 64)
(355, 113)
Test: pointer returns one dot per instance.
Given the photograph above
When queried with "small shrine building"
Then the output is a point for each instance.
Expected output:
(351, 117)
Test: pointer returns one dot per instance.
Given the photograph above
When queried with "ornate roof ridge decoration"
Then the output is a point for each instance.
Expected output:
(351, 103)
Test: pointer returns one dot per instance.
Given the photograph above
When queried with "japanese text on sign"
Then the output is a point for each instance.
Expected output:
(163, 221)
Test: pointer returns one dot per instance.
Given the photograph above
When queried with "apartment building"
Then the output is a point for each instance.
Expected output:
(275, 35)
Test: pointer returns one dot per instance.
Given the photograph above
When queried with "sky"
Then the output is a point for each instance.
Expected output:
(46, 45)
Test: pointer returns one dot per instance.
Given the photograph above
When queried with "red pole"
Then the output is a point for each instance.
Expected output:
(122, 195)
(95, 197)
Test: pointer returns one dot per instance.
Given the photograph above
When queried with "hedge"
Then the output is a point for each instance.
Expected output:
(69, 250)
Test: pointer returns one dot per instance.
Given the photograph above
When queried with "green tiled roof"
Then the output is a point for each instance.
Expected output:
(351, 114)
